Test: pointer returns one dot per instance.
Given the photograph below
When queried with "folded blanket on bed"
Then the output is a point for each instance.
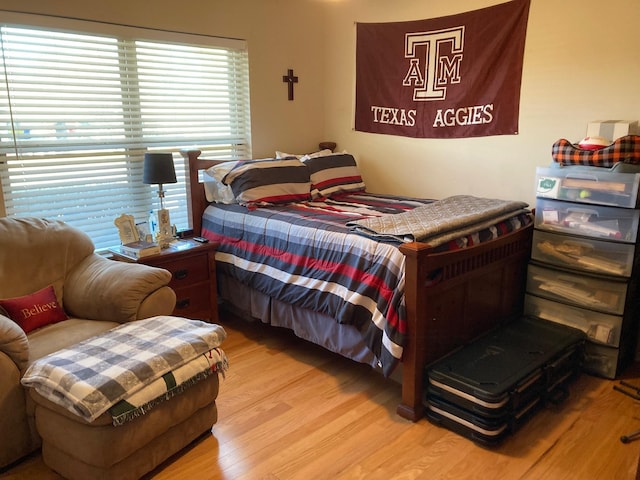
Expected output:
(439, 221)
(90, 377)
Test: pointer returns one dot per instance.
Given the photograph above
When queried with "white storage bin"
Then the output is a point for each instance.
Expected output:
(595, 221)
(609, 258)
(580, 185)
(603, 295)
(599, 327)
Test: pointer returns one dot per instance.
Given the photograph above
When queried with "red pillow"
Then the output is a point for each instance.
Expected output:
(35, 310)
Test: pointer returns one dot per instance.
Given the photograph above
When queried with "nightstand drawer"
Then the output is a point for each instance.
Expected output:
(187, 270)
(193, 301)
(609, 258)
(601, 294)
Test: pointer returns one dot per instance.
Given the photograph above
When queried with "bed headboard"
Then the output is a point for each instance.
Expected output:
(196, 200)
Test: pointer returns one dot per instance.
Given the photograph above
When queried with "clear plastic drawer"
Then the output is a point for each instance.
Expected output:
(604, 295)
(599, 327)
(610, 258)
(599, 187)
(620, 224)
(600, 360)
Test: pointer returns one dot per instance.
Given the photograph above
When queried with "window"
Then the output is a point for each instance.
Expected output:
(79, 110)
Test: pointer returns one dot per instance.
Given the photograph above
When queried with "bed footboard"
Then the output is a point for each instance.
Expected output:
(454, 297)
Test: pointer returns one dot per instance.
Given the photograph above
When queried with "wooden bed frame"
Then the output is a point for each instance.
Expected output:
(478, 288)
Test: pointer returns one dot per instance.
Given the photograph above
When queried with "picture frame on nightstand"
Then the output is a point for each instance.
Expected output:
(127, 229)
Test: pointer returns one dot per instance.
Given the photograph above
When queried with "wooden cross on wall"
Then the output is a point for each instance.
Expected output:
(290, 78)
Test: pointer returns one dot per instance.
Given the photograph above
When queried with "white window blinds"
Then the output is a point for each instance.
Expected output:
(78, 111)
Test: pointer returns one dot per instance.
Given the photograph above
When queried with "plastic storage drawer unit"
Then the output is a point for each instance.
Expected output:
(599, 327)
(601, 360)
(601, 294)
(595, 186)
(598, 256)
(594, 221)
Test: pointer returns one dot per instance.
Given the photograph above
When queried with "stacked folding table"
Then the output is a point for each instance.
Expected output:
(487, 389)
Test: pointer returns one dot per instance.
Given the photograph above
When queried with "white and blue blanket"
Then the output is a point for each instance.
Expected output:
(137, 363)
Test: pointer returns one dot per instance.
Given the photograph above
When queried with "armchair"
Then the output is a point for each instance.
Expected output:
(96, 294)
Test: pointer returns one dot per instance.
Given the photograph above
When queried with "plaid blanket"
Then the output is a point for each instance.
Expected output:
(170, 384)
(91, 376)
(440, 221)
(624, 149)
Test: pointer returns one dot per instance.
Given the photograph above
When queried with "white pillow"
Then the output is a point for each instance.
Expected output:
(214, 189)
(320, 153)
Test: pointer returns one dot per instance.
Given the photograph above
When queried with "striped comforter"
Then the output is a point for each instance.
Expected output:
(305, 254)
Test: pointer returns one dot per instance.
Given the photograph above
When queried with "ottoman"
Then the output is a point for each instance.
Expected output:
(116, 405)
(98, 450)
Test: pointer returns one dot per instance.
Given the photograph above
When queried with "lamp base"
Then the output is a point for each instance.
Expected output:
(164, 235)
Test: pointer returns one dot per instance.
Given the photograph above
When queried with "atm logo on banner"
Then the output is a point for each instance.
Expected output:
(449, 77)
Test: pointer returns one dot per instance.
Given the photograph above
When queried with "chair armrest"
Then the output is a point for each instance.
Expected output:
(102, 289)
(14, 343)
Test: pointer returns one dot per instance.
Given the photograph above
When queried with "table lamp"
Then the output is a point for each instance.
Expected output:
(159, 169)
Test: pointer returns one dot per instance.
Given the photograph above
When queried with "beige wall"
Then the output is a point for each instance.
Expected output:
(582, 63)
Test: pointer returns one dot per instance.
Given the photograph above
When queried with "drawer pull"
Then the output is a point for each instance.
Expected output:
(181, 274)
(184, 303)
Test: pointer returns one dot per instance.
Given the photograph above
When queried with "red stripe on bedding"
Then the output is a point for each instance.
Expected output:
(332, 182)
(323, 265)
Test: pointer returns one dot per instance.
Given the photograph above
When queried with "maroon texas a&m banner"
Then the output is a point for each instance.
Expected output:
(448, 77)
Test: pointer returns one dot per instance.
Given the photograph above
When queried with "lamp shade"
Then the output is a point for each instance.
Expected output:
(158, 168)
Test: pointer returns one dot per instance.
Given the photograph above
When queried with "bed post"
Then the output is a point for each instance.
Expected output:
(193, 202)
(414, 352)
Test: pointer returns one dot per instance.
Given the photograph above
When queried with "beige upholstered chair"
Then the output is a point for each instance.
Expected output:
(96, 294)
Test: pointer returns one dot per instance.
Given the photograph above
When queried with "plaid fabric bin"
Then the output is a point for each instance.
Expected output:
(624, 149)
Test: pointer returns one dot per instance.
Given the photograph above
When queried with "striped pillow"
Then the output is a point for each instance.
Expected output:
(269, 181)
(333, 174)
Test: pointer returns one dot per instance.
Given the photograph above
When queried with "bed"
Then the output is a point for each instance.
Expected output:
(442, 298)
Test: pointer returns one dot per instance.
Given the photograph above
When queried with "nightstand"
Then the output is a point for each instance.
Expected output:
(193, 268)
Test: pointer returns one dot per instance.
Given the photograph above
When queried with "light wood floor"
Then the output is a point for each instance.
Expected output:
(290, 410)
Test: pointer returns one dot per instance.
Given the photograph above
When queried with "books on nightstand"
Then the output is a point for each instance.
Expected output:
(139, 249)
